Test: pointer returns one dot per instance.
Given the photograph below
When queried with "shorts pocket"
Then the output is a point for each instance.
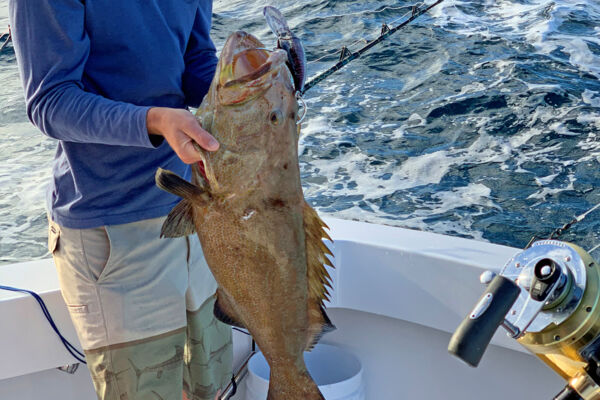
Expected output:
(53, 235)
(96, 247)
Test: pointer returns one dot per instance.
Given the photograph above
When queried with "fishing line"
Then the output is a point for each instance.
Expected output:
(559, 231)
(417, 6)
(348, 56)
(332, 52)
(594, 248)
(79, 356)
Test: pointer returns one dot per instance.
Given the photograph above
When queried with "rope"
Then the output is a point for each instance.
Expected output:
(79, 356)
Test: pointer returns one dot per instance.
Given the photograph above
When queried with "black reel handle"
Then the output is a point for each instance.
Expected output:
(473, 335)
(568, 393)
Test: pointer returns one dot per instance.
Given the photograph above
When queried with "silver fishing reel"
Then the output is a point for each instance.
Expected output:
(547, 298)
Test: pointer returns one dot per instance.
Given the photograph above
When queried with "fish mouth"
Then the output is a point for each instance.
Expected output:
(246, 67)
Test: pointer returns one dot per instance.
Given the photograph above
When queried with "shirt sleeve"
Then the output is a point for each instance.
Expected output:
(200, 57)
(52, 48)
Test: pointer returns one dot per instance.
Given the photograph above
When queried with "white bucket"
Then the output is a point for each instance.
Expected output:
(337, 372)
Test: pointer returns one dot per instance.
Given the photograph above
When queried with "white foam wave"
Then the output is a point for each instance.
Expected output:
(591, 98)
(545, 191)
(439, 216)
(538, 22)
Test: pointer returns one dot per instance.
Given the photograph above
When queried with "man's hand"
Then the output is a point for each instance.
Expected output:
(180, 129)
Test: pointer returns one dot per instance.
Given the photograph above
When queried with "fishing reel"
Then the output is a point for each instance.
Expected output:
(546, 297)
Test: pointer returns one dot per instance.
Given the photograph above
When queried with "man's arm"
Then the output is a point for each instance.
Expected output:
(200, 57)
(52, 47)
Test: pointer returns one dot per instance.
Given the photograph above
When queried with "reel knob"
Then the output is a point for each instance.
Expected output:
(487, 277)
(473, 335)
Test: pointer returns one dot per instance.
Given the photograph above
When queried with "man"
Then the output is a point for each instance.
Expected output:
(110, 80)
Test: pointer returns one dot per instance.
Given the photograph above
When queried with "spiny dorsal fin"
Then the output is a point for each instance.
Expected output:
(179, 222)
(317, 276)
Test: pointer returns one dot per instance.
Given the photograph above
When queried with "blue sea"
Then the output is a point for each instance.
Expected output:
(481, 119)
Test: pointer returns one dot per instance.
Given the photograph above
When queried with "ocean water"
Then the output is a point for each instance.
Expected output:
(480, 120)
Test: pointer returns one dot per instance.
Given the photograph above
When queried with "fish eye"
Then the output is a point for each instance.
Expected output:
(275, 117)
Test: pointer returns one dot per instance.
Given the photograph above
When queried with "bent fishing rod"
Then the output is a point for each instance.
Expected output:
(8, 38)
(348, 56)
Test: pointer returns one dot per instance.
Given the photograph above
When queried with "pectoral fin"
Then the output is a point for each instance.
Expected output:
(179, 222)
(172, 183)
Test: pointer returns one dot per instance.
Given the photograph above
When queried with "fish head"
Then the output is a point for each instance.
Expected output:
(247, 69)
(252, 110)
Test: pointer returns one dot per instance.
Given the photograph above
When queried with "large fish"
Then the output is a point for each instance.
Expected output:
(262, 241)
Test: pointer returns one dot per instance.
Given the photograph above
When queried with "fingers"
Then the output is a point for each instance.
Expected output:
(184, 148)
(200, 136)
(182, 131)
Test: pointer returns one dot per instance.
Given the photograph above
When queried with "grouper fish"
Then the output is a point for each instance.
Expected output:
(262, 241)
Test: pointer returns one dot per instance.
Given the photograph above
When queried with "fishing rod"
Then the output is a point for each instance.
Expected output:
(8, 38)
(347, 56)
(559, 231)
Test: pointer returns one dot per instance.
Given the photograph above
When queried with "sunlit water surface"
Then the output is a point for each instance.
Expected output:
(480, 120)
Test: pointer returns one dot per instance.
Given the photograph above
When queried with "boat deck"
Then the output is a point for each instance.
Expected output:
(397, 295)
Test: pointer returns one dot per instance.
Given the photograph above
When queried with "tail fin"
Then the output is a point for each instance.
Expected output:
(287, 385)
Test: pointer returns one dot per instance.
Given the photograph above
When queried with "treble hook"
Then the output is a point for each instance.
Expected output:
(299, 99)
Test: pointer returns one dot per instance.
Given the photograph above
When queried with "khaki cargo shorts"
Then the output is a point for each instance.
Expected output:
(142, 307)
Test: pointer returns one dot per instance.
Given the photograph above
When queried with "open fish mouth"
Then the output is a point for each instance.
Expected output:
(246, 68)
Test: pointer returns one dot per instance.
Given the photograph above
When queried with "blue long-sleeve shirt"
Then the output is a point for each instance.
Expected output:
(91, 69)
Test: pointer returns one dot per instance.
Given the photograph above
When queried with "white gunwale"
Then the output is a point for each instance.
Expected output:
(389, 283)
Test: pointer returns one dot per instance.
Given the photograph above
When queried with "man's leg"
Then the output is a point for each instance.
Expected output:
(126, 292)
(209, 351)
(209, 354)
(150, 369)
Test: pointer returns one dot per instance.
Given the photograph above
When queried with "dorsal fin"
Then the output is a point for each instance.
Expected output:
(318, 278)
